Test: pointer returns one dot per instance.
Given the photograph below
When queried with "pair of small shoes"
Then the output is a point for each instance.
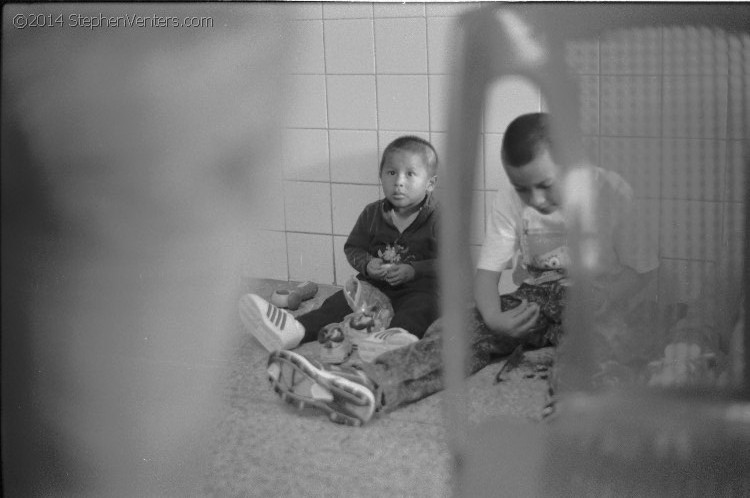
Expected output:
(274, 328)
(338, 341)
(277, 329)
(346, 394)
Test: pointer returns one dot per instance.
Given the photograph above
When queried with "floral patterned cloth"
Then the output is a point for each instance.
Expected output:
(549, 296)
(414, 372)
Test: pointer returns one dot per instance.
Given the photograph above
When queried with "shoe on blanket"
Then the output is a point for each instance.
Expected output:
(346, 394)
(372, 345)
(273, 327)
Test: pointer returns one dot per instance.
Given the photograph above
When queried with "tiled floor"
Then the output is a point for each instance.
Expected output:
(267, 448)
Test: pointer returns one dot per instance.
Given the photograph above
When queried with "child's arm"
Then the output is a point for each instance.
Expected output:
(516, 322)
(358, 243)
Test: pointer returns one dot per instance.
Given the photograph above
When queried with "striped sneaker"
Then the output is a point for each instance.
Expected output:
(273, 327)
(346, 394)
(373, 345)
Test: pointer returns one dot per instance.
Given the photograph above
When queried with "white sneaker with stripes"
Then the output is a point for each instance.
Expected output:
(372, 345)
(274, 328)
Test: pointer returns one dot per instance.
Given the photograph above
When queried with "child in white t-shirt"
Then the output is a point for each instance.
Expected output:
(531, 221)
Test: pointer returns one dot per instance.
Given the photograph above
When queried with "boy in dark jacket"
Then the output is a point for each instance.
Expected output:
(393, 246)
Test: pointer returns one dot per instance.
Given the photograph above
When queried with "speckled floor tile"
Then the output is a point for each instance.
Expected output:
(272, 449)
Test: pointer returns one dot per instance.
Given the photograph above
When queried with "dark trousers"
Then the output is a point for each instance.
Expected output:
(414, 311)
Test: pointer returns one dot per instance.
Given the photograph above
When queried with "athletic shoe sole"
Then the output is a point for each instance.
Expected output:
(259, 318)
(300, 383)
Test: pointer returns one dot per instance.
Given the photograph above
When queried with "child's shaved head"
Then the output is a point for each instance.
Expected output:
(416, 145)
(525, 137)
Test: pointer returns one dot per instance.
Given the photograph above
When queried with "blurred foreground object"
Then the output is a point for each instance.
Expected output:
(133, 158)
(610, 438)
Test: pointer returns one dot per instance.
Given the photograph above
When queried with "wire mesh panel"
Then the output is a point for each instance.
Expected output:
(653, 397)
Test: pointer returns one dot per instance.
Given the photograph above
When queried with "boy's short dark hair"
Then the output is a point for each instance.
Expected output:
(524, 138)
(417, 145)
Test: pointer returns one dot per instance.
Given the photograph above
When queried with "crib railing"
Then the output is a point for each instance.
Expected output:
(693, 428)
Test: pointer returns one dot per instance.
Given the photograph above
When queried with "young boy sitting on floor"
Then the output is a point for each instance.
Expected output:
(529, 220)
(403, 225)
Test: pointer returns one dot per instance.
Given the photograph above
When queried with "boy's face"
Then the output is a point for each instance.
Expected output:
(538, 182)
(405, 179)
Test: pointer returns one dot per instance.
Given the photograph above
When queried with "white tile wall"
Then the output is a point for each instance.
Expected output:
(398, 9)
(692, 52)
(351, 102)
(738, 109)
(630, 106)
(307, 206)
(637, 160)
(693, 169)
(690, 229)
(681, 96)
(736, 172)
(349, 46)
(582, 56)
(307, 53)
(305, 155)
(734, 220)
(308, 94)
(657, 105)
(450, 9)
(443, 45)
(303, 10)
(402, 102)
(636, 51)
(354, 156)
(344, 10)
(267, 256)
(310, 257)
(401, 45)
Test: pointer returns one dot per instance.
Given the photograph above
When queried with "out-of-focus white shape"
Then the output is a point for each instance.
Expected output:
(580, 204)
(528, 48)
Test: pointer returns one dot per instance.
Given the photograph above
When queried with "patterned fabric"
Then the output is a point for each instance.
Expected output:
(414, 372)
(549, 296)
